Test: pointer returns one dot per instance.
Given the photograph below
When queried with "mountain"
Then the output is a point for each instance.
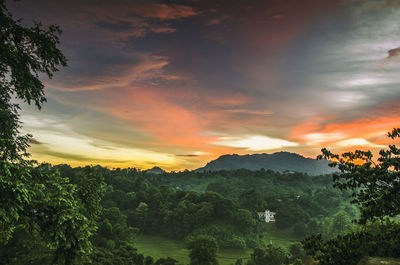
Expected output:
(280, 161)
(155, 170)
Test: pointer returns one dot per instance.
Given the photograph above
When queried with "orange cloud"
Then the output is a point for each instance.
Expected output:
(394, 52)
(168, 123)
(176, 119)
(162, 29)
(164, 11)
(217, 20)
(369, 131)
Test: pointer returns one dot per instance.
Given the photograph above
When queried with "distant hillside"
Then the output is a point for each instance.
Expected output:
(155, 170)
(280, 161)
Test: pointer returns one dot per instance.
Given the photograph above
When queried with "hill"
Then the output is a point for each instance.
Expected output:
(280, 162)
(155, 170)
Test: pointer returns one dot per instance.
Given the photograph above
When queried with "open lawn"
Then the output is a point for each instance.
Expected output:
(160, 247)
(278, 237)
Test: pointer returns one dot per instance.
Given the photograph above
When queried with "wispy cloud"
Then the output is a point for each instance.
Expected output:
(357, 142)
(366, 131)
(34, 141)
(139, 68)
(249, 112)
(164, 11)
(217, 20)
(254, 142)
(147, 80)
(394, 53)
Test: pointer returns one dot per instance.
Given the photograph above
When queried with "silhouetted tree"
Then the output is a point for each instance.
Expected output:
(375, 188)
(37, 200)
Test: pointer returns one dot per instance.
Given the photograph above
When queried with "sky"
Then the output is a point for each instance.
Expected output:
(179, 83)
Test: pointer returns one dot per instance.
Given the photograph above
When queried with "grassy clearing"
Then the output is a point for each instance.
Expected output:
(282, 238)
(160, 247)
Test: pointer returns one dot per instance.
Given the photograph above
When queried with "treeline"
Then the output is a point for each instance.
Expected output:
(221, 204)
(173, 213)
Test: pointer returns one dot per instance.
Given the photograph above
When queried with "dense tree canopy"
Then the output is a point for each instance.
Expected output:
(271, 255)
(203, 250)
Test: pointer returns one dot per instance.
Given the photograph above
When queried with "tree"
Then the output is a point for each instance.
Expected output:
(296, 252)
(203, 250)
(285, 218)
(239, 262)
(36, 199)
(375, 188)
(141, 214)
(341, 223)
(24, 54)
(378, 239)
(271, 255)
(245, 220)
(57, 216)
(251, 200)
(298, 262)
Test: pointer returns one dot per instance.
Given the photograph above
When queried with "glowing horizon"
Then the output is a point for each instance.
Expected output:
(178, 84)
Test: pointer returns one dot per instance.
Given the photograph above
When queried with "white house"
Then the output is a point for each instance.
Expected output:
(266, 216)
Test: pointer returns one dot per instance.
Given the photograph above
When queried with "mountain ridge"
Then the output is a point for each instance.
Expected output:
(279, 161)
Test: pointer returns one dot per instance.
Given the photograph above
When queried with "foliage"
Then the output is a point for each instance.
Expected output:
(271, 255)
(298, 262)
(158, 205)
(251, 199)
(126, 254)
(24, 54)
(341, 223)
(46, 207)
(380, 239)
(14, 196)
(375, 187)
(203, 250)
(55, 214)
(296, 252)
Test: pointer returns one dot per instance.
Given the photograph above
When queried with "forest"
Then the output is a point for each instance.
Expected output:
(186, 205)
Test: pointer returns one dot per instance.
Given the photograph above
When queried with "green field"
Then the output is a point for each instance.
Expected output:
(278, 237)
(160, 247)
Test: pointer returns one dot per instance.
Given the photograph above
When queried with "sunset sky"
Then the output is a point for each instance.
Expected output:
(179, 83)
